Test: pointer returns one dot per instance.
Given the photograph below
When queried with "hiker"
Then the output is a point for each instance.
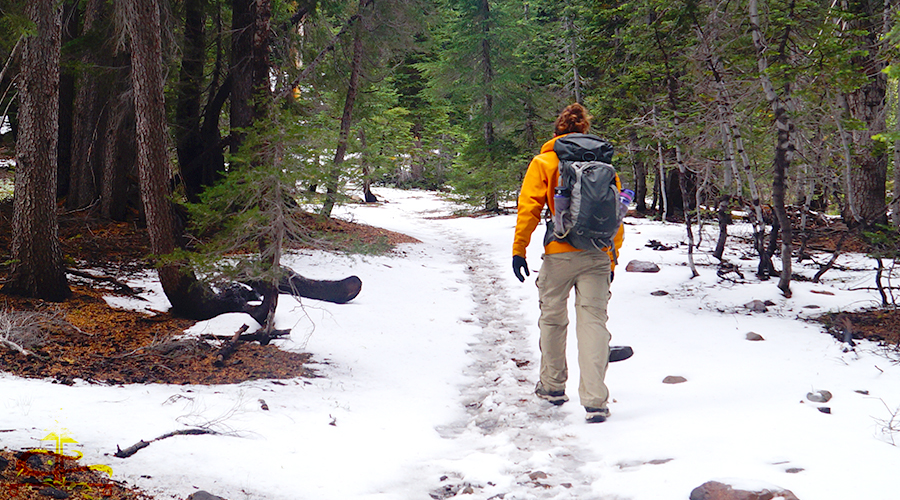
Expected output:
(590, 272)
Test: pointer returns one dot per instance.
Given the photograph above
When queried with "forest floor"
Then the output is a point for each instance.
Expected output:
(85, 338)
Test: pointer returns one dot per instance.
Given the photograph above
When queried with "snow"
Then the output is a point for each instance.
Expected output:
(426, 384)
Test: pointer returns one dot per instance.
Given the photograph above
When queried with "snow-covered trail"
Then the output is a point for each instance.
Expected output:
(508, 442)
(523, 435)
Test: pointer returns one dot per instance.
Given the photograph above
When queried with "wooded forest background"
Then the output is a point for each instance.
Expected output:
(224, 117)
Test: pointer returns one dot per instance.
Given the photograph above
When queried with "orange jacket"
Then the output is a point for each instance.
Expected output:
(537, 190)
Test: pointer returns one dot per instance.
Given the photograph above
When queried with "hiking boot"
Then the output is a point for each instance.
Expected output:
(554, 397)
(620, 353)
(595, 415)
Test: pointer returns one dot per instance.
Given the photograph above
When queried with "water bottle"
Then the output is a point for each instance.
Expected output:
(625, 197)
(561, 200)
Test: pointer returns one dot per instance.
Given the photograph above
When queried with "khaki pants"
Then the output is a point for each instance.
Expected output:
(588, 273)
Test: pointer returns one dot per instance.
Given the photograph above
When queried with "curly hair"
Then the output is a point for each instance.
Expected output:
(572, 119)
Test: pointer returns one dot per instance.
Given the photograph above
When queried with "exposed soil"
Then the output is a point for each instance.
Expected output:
(89, 340)
(38, 476)
(877, 325)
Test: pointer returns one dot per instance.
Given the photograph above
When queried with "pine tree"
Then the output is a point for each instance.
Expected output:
(37, 269)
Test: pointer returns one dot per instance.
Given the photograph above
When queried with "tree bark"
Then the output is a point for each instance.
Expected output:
(640, 174)
(241, 70)
(895, 210)
(119, 140)
(867, 104)
(189, 298)
(70, 18)
(331, 183)
(783, 146)
(37, 269)
(188, 138)
(491, 199)
(724, 216)
(92, 100)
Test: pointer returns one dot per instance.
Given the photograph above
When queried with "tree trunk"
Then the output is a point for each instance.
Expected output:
(867, 104)
(66, 100)
(735, 144)
(119, 139)
(188, 138)
(491, 199)
(368, 195)
(572, 49)
(188, 296)
(334, 174)
(92, 100)
(640, 174)
(783, 146)
(724, 213)
(37, 269)
(661, 171)
(672, 90)
(895, 210)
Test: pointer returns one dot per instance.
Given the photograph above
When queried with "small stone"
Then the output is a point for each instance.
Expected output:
(468, 490)
(659, 293)
(858, 391)
(674, 379)
(826, 410)
(537, 475)
(566, 485)
(203, 495)
(819, 396)
(757, 306)
(794, 470)
(812, 306)
(54, 493)
(754, 337)
(640, 266)
(714, 490)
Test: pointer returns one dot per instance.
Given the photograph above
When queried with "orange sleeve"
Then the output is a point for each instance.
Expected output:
(620, 235)
(532, 198)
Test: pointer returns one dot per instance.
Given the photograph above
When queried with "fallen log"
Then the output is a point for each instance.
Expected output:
(201, 303)
(338, 292)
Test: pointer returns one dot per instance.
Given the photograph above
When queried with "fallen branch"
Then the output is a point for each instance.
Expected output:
(103, 279)
(834, 256)
(140, 445)
(228, 349)
(247, 337)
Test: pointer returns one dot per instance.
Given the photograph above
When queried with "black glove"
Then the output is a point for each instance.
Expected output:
(519, 265)
(612, 276)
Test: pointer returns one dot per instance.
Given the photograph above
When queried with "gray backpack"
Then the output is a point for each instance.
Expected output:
(587, 203)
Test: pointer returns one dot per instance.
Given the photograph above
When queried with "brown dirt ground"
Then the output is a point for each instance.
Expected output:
(39, 476)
